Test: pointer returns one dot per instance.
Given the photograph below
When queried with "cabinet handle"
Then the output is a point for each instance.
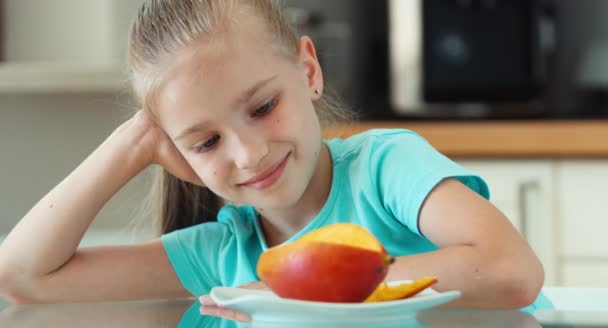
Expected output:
(527, 191)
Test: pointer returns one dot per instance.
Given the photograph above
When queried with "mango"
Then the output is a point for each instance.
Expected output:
(385, 292)
(338, 263)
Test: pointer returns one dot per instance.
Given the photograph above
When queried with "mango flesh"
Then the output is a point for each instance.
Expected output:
(385, 292)
(326, 265)
(346, 234)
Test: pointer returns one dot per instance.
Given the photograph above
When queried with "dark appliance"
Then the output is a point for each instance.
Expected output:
(351, 37)
(448, 55)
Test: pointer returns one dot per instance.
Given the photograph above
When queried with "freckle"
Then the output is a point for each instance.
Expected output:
(214, 173)
(51, 206)
(278, 121)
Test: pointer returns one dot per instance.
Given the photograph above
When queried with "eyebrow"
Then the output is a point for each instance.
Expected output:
(246, 96)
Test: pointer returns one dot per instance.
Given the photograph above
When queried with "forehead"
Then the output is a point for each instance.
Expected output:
(214, 71)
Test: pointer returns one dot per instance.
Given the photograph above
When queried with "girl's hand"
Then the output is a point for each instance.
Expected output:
(153, 146)
(209, 307)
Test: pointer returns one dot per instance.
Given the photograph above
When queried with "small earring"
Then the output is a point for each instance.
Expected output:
(317, 91)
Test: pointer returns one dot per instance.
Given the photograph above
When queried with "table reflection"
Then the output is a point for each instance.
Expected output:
(165, 313)
(185, 313)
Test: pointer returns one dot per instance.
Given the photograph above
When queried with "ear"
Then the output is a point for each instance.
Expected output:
(312, 68)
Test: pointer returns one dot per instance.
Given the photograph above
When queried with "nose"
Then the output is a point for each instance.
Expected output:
(251, 148)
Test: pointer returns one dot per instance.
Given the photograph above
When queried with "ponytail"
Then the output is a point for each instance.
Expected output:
(184, 204)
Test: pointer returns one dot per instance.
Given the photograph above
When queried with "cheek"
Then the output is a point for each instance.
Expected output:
(307, 122)
(297, 116)
(213, 173)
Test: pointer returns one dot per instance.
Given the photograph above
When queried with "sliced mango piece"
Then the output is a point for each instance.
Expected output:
(384, 292)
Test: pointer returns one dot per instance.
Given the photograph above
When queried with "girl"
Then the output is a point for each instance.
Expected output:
(231, 109)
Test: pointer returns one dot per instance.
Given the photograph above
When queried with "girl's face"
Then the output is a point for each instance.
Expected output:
(242, 116)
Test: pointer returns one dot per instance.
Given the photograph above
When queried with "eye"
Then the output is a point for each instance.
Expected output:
(265, 109)
(207, 145)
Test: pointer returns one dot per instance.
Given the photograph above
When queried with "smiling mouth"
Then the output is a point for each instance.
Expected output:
(268, 178)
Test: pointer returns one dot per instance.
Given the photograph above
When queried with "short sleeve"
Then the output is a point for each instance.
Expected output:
(405, 168)
(194, 253)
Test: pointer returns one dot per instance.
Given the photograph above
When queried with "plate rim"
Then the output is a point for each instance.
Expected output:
(331, 305)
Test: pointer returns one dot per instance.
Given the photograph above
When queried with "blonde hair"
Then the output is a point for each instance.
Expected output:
(160, 28)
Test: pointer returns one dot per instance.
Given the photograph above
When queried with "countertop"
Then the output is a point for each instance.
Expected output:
(185, 313)
(502, 139)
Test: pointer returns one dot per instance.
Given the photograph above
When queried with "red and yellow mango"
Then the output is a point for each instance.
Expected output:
(337, 263)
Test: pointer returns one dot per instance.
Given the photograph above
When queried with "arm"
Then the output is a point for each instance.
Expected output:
(39, 260)
(481, 253)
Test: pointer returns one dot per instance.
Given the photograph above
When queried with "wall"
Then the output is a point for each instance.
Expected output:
(44, 137)
(92, 31)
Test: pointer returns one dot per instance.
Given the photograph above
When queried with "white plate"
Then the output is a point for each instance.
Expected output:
(268, 307)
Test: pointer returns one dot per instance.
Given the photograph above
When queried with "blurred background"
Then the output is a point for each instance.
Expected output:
(515, 90)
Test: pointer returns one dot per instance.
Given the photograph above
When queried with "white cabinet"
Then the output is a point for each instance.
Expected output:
(583, 221)
(524, 191)
(583, 208)
(583, 273)
(58, 45)
(93, 31)
(561, 207)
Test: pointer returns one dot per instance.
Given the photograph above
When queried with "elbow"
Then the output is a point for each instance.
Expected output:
(17, 298)
(6, 285)
(10, 290)
(520, 294)
(521, 283)
(7, 288)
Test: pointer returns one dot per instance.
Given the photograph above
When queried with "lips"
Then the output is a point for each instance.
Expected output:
(268, 177)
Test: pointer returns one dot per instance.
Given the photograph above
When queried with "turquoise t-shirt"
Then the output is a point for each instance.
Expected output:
(380, 181)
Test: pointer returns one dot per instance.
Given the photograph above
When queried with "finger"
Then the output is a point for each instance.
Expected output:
(207, 300)
(225, 313)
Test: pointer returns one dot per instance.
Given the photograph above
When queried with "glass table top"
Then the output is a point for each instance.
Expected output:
(185, 313)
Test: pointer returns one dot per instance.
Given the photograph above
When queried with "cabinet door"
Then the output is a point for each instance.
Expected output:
(72, 31)
(523, 190)
(585, 273)
(583, 204)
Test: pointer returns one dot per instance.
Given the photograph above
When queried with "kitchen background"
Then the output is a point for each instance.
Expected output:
(427, 63)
